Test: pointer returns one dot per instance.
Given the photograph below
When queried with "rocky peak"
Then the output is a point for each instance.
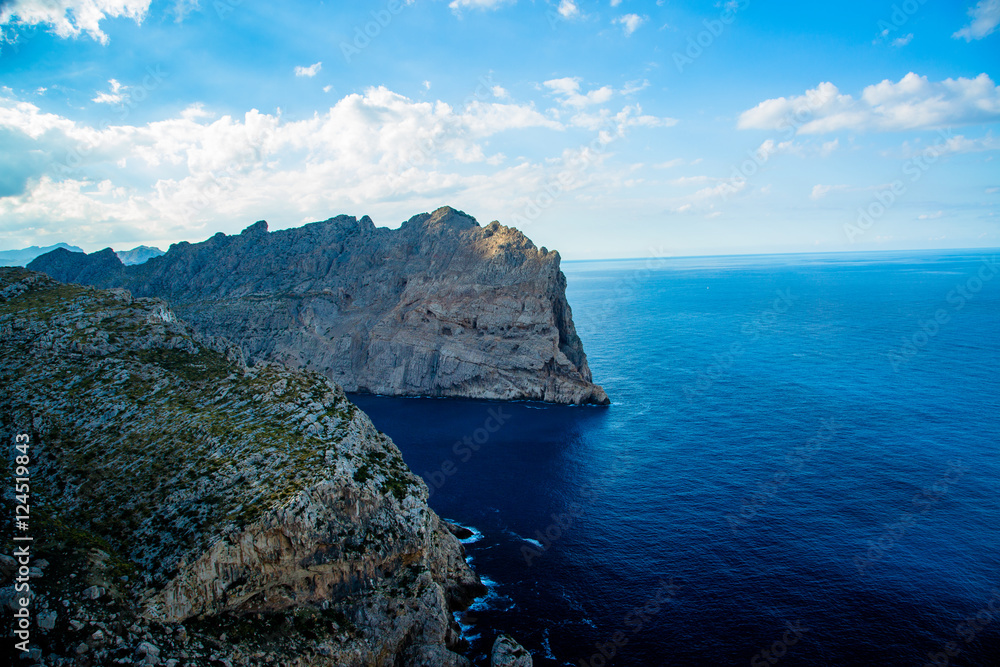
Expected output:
(445, 218)
(256, 229)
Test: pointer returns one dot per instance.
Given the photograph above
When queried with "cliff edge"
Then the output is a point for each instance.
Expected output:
(186, 507)
(439, 307)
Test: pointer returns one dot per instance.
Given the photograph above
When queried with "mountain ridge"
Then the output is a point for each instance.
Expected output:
(22, 256)
(440, 306)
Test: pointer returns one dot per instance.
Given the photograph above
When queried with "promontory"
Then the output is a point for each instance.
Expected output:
(441, 306)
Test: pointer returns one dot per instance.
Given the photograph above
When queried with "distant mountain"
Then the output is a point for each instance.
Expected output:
(138, 255)
(24, 255)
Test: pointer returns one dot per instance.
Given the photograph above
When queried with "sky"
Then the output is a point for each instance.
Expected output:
(604, 129)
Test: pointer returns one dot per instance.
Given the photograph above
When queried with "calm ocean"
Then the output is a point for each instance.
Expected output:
(801, 466)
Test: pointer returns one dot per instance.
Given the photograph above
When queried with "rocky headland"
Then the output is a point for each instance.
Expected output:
(190, 510)
(441, 306)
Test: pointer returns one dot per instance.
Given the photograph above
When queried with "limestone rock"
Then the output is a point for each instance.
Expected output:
(439, 307)
(508, 653)
(196, 505)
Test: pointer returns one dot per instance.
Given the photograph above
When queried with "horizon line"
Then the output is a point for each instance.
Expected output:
(798, 252)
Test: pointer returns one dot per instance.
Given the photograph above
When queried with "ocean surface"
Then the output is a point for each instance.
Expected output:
(801, 466)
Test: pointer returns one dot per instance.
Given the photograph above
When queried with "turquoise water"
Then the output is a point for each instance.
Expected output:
(801, 466)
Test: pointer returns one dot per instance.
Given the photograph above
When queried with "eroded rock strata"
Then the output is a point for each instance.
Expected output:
(439, 307)
(188, 509)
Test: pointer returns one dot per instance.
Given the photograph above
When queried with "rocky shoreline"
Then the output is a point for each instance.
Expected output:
(192, 510)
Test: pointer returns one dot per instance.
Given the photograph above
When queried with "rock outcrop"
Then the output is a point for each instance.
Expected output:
(508, 653)
(439, 307)
(186, 507)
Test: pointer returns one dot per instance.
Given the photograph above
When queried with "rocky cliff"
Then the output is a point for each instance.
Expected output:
(439, 307)
(185, 507)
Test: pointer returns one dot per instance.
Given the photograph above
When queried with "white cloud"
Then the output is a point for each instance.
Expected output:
(377, 152)
(903, 41)
(954, 144)
(568, 9)
(615, 3)
(197, 167)
(693, 180)
(568, 89)
(616, 123)
(985, 18)
(930, 216)
(630, 22)
(632, 87)
(669, 164)
(820, 191)
(500, 92)
(458, 5)
(69, 18)
(912, 103)
(115, 96)
(184, 7)
(310, 71)
(721, 191)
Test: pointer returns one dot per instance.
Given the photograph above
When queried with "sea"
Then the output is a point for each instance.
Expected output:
(800, 466)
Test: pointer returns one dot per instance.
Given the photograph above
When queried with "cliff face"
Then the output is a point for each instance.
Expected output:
(439, 307)
(198, 509)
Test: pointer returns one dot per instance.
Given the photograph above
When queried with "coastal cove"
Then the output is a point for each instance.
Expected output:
(801, 458)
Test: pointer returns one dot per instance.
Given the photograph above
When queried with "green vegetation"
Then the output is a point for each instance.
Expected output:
(165, 441)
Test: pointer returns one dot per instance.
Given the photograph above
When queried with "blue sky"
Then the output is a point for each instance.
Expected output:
(602, 129)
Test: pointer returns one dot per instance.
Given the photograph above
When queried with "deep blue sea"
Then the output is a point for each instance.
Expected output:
(801, 466)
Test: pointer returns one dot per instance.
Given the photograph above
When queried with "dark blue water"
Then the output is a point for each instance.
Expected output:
(802, 457)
